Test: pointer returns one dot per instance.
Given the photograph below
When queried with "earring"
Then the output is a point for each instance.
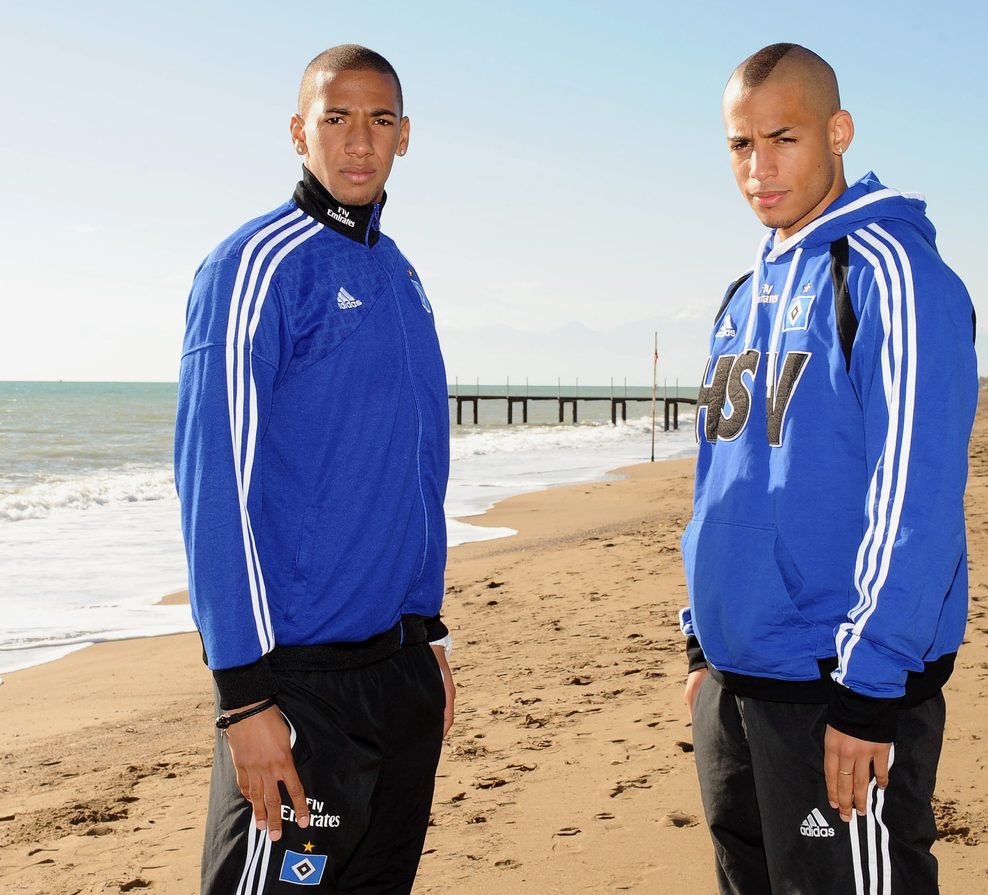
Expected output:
(300, 148)
(840, 150)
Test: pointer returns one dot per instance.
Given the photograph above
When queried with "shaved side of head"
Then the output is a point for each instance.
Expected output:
(346, 57)
(792, 64)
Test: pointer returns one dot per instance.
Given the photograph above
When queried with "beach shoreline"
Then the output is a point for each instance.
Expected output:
(569, 768)
(91, 545)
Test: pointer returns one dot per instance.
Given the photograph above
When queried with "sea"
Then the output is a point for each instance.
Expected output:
(90, 541)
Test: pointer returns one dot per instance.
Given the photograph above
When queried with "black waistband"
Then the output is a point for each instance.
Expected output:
(920, 685)
(411, 629)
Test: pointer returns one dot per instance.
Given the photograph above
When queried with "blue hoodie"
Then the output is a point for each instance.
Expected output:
(828, 528)
(312, 442)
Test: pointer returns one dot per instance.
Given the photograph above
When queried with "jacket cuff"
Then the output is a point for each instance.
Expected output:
(864, 717)
(435, 629)
(694, 654)
(246, 684)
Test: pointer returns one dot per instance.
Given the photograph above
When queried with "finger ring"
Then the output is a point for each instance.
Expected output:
(846, 773)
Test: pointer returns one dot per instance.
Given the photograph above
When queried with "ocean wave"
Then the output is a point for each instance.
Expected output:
(128, 485)
(586, 436)
(41, 499)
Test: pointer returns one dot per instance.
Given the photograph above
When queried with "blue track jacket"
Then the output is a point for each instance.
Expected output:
(312, 441)
(833, 423)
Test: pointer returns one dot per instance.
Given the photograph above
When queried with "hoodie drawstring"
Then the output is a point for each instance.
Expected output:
(749, 333)
(771, 373)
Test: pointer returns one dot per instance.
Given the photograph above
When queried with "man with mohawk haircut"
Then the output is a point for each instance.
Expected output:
(826, 559)
(311, 459)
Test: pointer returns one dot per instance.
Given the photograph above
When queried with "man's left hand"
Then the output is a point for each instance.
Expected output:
(448, 684)
(847, 765)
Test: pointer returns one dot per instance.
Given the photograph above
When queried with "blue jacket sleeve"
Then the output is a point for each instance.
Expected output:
(915, 372)
(694, 652)
(229, 365)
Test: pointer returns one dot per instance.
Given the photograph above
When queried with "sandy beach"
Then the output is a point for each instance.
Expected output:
(569, 768)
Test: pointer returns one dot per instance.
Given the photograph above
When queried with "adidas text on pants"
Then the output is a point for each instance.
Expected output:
(760, 766)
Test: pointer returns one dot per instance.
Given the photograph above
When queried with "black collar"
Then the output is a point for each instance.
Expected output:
(361, 223)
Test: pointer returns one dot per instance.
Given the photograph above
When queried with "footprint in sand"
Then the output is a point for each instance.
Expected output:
(952, 825)
(491, 783)
(624, 785)
(678, 819)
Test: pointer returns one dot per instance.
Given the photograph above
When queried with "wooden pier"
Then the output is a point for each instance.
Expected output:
(670, 405)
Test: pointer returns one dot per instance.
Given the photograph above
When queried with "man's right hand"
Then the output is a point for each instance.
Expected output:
(693, 681)
(262, 755)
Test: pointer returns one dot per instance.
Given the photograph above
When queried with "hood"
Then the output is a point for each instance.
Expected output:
(865, 202)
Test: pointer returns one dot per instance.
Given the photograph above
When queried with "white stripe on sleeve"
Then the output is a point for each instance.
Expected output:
(241, 328)
(890, 479)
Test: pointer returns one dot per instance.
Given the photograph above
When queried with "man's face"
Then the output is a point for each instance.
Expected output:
(351, 133)
(784, 155)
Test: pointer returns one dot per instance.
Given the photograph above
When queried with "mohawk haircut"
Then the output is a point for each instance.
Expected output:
(790, 59)
(755, 70)
(345, 57)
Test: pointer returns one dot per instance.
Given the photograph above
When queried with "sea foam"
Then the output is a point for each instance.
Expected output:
(95, 489)
(87, 556)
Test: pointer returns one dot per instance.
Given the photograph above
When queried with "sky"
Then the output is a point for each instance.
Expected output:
(566, 192)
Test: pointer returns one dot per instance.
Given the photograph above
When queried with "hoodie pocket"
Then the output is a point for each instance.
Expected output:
(741, 579)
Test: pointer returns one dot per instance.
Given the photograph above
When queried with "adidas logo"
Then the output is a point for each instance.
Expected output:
(346, 301)
(815, 826)
(727, 329)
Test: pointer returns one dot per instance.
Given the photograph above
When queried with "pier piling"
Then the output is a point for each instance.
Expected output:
(670, 403)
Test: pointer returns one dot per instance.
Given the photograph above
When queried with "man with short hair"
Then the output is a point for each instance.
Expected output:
(311, 459)
(826, 558)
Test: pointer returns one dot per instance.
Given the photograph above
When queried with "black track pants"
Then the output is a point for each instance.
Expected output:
(760, 766)
(366, 746)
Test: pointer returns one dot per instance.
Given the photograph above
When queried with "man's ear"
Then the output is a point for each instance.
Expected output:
(404, 129)
(841, 131)
(297, 129)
